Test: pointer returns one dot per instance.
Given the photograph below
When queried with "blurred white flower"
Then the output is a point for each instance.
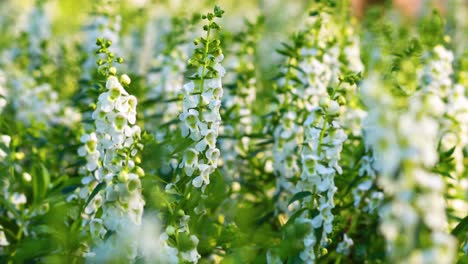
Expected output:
(345, 245)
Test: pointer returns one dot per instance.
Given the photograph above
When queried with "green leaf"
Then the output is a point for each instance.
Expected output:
(184, 144)
(449, 152)
(461, 229)
(40, 183)
(96, 190)
(299, 196)
(294, 216)
(285, 52)
(33, 248)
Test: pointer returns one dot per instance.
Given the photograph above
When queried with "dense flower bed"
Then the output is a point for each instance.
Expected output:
(140, 133)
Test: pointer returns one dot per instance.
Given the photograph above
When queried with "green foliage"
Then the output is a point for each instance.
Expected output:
(236, 218)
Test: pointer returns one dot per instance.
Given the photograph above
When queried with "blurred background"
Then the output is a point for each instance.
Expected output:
(144, 21)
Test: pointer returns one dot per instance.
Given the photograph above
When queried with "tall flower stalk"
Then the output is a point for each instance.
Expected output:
(416, 207)
(436, 80)
(323, 142)
(239, 99)
(112, 187)
(317, 83)
(200, 106)
(166, 79)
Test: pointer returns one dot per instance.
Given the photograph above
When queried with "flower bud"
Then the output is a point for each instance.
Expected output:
(139, 171)
(324, 102)
(113, 70)
(137, 160)
(170, 230)
(123, 176)
(323, 251)
(341, 100)
(27, 177)
(124, 79)
(334, 108)
(19, 155)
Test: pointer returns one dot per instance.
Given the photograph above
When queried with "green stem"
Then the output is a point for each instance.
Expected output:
(286, 82)
(322, 134)
(18, 238)
(205, 62)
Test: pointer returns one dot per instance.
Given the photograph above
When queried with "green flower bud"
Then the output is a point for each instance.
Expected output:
(170, 230)
(139, 171)
(113, 70)
(123, 176)
(341, 100)
(137, 160)
(124, 79)
(323, 251)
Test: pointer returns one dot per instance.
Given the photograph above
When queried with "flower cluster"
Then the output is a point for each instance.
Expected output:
(34, 103)
(32, 97)
(238, 101)
(436, 79)
(287, 137)
(200, 109)
(5, 141)
(323, 142)
(166, 78)
(288, 132)
(12, 193)
(321, 64)
(345, 245)
(38, 31)
(404, 145)
(186, 243)
(323, 58)
(364, 194)
(110, 153)
(354, 114)
(297, 134)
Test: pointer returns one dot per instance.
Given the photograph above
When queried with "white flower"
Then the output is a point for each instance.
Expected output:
(345, 245)
(3, 239)
(201, 124)
(320, 158)
(190, 161)
(192, 256)
(5, 139)
(125, 79)
(18, 199)
(403, 153)
(110, 152)
(35, 103)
